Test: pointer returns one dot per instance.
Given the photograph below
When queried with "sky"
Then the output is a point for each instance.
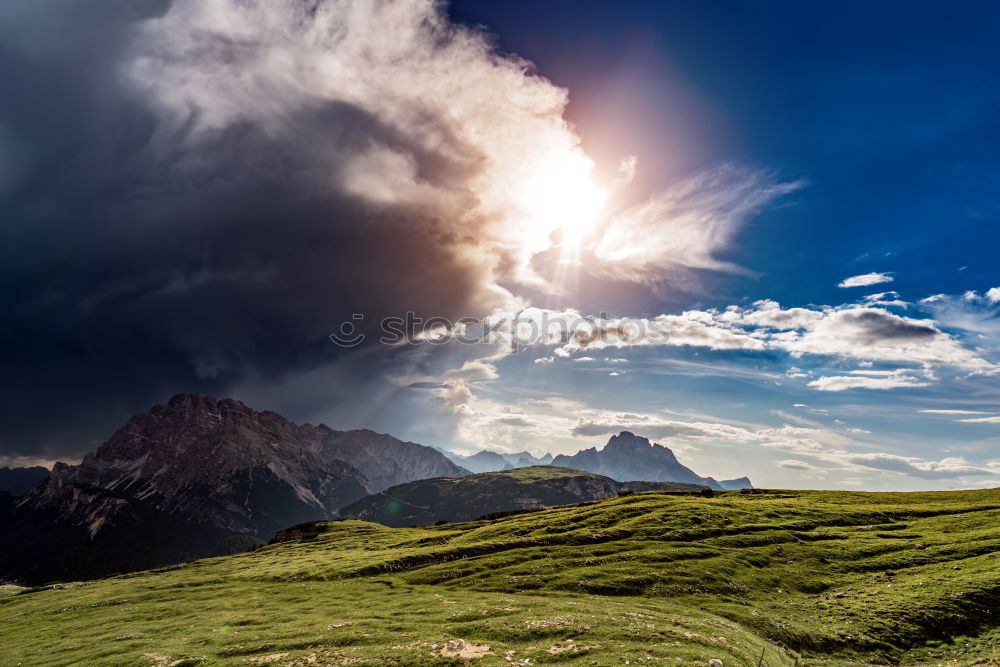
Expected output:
(765, 234)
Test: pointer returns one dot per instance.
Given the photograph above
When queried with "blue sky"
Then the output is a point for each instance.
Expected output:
(797, 202)
(888, 120)
(888, 114)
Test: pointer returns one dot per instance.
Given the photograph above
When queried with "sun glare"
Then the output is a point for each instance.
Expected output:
(560, 194)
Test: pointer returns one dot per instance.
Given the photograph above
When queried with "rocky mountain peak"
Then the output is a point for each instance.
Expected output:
(216, 468)
(625, 438)
(628, 443)
(628, 456)
(206, 460)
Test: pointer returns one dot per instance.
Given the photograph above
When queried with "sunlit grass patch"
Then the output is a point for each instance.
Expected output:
(813, 577)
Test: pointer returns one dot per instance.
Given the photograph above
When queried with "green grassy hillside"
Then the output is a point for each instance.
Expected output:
(774, 578)
(471, 497)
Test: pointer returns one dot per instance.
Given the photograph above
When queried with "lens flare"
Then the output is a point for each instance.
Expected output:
(559, 193)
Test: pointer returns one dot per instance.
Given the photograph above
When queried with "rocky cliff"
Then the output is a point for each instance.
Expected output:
(628, 456)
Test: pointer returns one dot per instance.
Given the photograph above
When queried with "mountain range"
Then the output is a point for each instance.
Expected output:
(465, 498)
(200, 476)
(196, 477)
(489, 461)
(625, 457)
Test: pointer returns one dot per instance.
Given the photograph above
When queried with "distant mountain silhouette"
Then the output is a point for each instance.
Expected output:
(735, 484)
(490, 461)
(628, 456)
(484, 461)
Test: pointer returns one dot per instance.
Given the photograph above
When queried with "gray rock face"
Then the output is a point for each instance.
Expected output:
(208, 461)
(386, 461)
(462, 499)
(628, 456)
(215, 473)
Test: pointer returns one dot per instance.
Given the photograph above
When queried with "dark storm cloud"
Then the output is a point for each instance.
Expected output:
(141, 256)
(427, 385)
(196, 193)
(874, 326)
(585, 429)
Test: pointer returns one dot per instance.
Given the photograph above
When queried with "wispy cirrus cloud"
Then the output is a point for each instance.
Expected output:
(685, 226)
(865, 280)
(971, 311)
(795, 464)
(886, 299)
(868, 379)
(658, 427)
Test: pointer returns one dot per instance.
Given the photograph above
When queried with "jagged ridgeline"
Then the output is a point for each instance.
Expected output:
(197, 477)
(201, 477)
(625, 457)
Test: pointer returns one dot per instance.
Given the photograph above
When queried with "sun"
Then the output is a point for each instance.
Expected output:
(559, 193)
